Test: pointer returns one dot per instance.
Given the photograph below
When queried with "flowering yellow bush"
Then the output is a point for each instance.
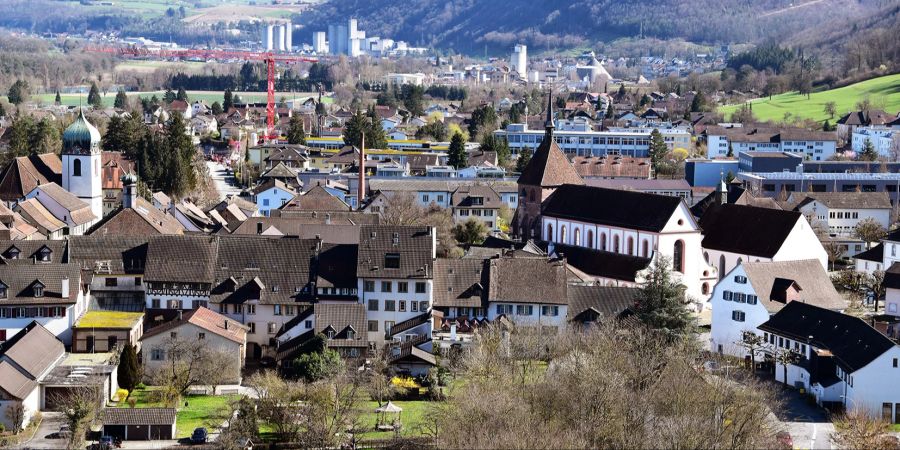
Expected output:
(406, 383)
(121, 395)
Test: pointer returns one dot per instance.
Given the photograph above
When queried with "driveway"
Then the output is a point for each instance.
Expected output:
(809, 425)
(222, 179)
(45, 438)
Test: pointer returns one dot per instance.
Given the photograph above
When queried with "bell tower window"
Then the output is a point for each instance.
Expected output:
(76, 168)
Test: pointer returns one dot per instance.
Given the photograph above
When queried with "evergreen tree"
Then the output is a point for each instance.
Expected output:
(622, 92)
(660, 303)
(296, 134)
(121, 99)
(610, 111)
(826, 126)
(658, 148)
(181, 95)
(19, 92)
(216, 108)
(20, 133)
(491, 143)
(868, 152)
(523, 159)
(359, 124)
(124, 134)
(129, 375)
(181, 157)
(46, 137)
(228, 101)
(169, 96)
(456, 155)
(483, 118)
(698, 102)
(58, 99)
(94, 98)
(730, 153)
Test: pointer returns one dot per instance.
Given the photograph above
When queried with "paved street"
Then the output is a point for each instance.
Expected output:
(808, 424)
(222, 179)
(45, 437)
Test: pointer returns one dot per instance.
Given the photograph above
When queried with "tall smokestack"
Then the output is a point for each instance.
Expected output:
(361, 190)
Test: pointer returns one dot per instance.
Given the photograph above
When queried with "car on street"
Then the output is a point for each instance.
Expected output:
(199, 436)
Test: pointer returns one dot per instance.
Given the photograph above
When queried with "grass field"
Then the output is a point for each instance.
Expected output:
(412, 418)
(208, 96)
(883, 92)
(199, 409)
(150, 66)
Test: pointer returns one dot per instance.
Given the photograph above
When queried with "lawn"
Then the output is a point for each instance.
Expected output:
(197, 413)
(412, 418)
(208, 96)
(882, 91)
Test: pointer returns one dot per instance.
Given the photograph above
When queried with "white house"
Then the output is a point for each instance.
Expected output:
(841, 360)
(751, 292)
(528, 291)
(892, 290)
(25, 358)
(630, 223)
(840, 212)
(886, 140)
(733, 234)
(813, 145)
(395, 269)
(77, 215)
(50, 293)
(272, 194)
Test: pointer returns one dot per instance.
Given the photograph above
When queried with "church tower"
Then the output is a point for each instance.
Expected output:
(548, 169)
(81, 160)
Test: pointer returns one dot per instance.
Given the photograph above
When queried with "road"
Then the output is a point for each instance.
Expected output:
(222, 179)
(808, 424)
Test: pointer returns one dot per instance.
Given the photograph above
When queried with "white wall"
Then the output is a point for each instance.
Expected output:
(725, 331)
(31, 404)
(536, 318)
(876, 383)
(271, 199)
(382, 316)
(801, 244)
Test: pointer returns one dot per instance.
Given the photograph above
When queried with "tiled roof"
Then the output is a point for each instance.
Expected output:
(737, 229)
(549, 167)
(208, 320)
(25, 173)
(316, 198)
(853, 343)
(414, 245)
(640, 185)
(28, 250)
(463, 197)
(459, 282)
(815, 285)
(20, 280)
(34, 348)
(411, 353)
(608, 301)
(288, 226)
(875, 254)
(843, 200)
(602, 264)
(14, 382)
(33, 211)
(625, 209)
(181, 259)
(144, 219)
(527, 280)
(410, 323)
(612, 166)
(280, 171)
(138, 416)
(79, 211)
(281, 265)
(341, 316)
(272, 183)
(109, 254)
(329, 217)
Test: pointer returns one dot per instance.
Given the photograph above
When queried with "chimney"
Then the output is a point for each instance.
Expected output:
(64, 290)
(259, 227)
(361, 189)
(453, 332)
(129, 191)
(179, 315)
(226, 324)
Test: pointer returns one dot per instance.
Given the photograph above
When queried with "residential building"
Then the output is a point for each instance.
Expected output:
(671, 188)
(885, 140)
(25, 358)
(612, 167)
(840, 212)
(107, 331)
(272, 194)
(77, 215)
(702, 172)
(842, 360)
(813, 145)
(477, 202)
(733, 234)
(750, 293)
(37, 290)
(220, 334)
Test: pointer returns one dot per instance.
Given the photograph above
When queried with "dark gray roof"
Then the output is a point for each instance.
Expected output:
(459, 282)
(852, 341)
(605, 301)
(138, 416)
(274, 271)
(30, 249)
(342, 233)
(738, 228)
(415, 246)
(626, 209)
(109, 254)
(527, 280)
(188, 259)
(21, 279)
(603, 264)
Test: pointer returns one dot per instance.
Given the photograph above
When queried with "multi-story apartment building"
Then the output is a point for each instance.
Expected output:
(813, 145)
(584, 141)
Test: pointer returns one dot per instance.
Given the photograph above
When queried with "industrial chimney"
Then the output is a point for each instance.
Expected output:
(361, 190)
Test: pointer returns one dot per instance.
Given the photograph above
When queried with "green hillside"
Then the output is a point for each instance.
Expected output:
(883, 92)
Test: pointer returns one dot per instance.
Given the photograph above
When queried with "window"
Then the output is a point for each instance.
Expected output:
(201, 336)
(251, 309)
(420, 287)
(157, 354)
(76, 168)
(289, 310)
(678, 256)
(423, 306)
(277, 310)
(392, 261)
(740, 298)
(737, 316)
(401, 306)
(524, 310)
(616, 244)
(38, 290)
(373, 325)
(402, 287)
(307, 324)
(388, 324)
(385, 286)
(645, 249)
(740, 279)
(368, 286)
(414, 306)
(603, 241)
(895, 362)
(273, 327)
(137, 281)
(727, 295)
(237, 309)
(2, 291)
(590, 239)
(630, 245)
(252, 327)
(155, 303)
(389, 305)
(373, 305)
(550, 310)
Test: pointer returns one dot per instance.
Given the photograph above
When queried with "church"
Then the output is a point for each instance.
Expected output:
(557, 208)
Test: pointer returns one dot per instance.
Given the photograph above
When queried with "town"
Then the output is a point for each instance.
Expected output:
(287, 227)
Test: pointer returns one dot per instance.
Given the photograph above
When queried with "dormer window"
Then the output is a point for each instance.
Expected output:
(3, 290)
(329, 332)
(13, 253)
(44, 254)
(38, 290)
(392, 261)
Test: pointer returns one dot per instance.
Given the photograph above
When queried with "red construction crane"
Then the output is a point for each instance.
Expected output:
(269, 58)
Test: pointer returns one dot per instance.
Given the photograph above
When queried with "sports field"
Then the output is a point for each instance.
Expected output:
(882, 92)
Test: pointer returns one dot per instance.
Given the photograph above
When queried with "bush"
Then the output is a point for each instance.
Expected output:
(121, 395)
(141, 386)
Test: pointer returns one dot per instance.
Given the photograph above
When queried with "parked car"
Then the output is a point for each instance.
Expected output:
(199, 436)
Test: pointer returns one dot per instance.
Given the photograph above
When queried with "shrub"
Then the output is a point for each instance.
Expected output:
(141, 386)
(121, 395)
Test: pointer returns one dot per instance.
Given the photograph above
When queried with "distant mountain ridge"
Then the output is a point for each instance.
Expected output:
(469, 26)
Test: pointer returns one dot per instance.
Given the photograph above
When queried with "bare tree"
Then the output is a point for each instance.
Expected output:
(858, 429)
(15, 413)
(869, 230)
(754, 344)
(785, 357)
(191, 362)
(80, 407)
